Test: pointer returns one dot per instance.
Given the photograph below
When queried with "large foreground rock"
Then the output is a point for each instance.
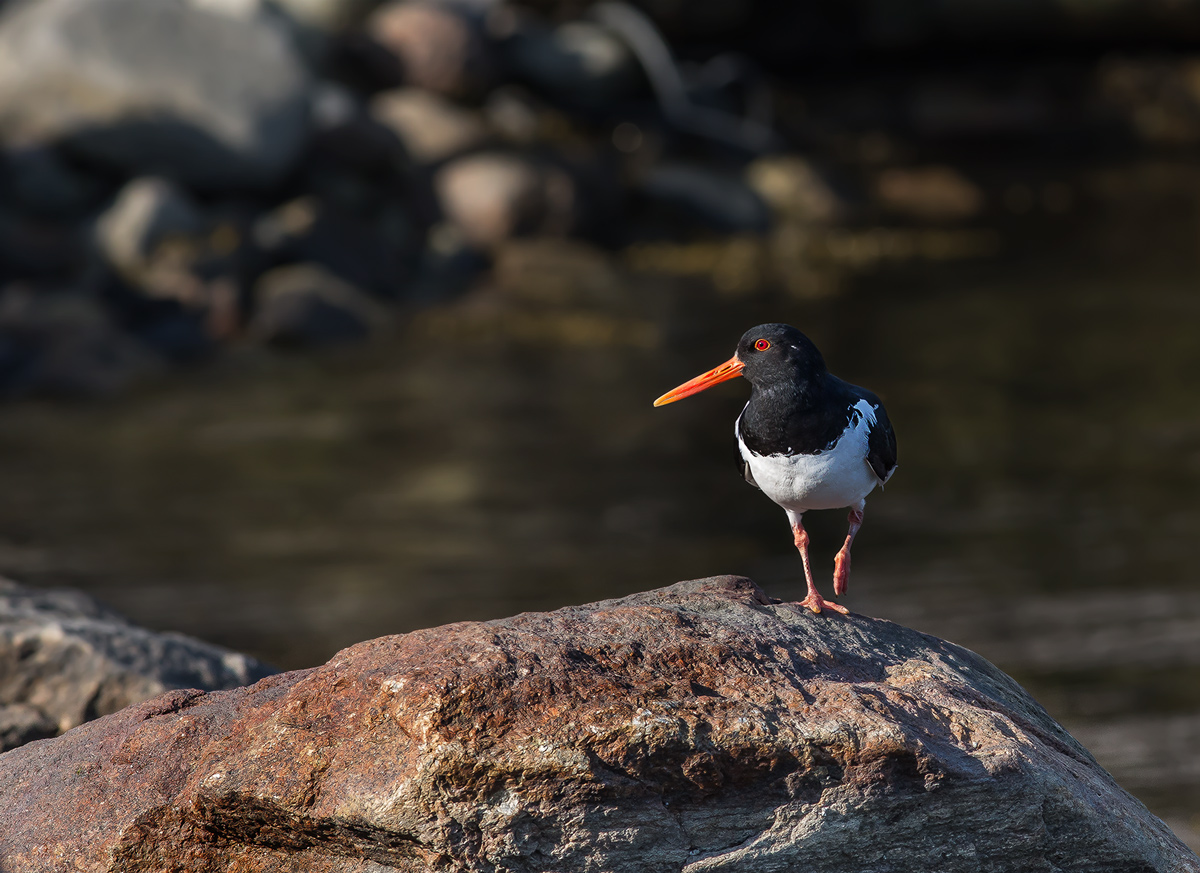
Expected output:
(700, 727)
(66, 658)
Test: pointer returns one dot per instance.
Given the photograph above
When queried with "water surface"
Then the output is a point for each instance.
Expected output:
(501, 455)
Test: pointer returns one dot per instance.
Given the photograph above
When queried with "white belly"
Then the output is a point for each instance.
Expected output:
(832, 479)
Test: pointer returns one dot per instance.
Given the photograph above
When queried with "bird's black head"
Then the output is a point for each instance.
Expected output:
(774, 357)
(777, 353)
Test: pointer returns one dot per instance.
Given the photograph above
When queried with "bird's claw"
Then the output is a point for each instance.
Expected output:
(816, 603)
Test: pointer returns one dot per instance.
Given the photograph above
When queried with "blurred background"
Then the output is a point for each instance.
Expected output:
(327, 319)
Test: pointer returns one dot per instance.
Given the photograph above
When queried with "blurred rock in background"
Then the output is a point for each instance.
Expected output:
(199, 173)
(176, 88)
(66, 659)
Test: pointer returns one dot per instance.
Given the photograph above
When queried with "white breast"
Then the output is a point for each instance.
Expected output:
(831, 479)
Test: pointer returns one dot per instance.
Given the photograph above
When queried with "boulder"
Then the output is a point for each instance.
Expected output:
(700, 727)
(580, 63)
(305, 306)
(65, 658)
(430, 127)
(494, 196)
(369, 253)
(64, 344)
(146, 213)
(39, 182)
(162, 87)
(181, 270)
(34, 247)
(346, 136)
(435, 46)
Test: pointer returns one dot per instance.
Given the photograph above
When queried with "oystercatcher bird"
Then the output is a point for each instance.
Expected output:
(807, 439)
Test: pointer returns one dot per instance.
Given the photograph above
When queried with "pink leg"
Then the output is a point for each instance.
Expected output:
(814, 600)
(841, 564)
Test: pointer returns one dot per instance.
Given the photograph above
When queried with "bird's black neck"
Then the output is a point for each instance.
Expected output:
(795, 416)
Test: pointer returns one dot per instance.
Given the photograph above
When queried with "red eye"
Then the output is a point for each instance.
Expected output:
(762, 345)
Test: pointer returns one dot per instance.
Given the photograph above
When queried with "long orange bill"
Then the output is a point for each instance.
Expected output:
(728, 370)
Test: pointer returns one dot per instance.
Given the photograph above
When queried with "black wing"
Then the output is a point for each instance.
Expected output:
(881, 439)
(881, 443)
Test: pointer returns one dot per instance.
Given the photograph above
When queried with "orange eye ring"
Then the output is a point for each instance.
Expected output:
(762, 345)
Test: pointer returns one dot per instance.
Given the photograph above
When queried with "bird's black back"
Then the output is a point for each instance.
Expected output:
(797, 407)
(788, 418)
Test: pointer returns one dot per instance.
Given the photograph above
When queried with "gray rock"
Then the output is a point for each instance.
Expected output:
(64, 344)
(516, 115)
(66, 658)
(165, 87)
(371, 254)
(433, 46)
(305, 306)
(311, 24)
(579, 62)
(167, 250)
(40, 183)
(493, 196)
(34, 247)
(353, 159)
(430, 127)
(21, 723)
(334, 105)
(146, 212)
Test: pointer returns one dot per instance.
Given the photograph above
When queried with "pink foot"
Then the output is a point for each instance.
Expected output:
(841, 572)
(816, 603)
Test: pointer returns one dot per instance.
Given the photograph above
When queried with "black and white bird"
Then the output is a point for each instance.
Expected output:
(807, 439)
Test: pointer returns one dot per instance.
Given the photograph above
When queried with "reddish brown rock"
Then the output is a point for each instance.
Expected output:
(695, 728)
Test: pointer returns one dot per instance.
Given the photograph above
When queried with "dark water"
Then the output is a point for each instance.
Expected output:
(502, 455)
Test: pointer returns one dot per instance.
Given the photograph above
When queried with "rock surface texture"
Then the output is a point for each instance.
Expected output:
(699, 727)
(65, 659)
